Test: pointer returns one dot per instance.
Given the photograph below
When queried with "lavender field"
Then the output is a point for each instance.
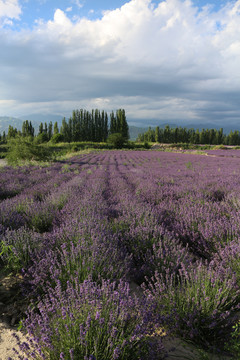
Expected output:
(82, 230)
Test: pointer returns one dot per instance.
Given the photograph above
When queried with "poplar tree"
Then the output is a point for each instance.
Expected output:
(50, 130)
(64, 130)
(55, 129)
(41, 128)
(157, 134)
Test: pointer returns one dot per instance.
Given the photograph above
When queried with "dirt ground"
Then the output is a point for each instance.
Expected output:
(3, 162)
(8, 342)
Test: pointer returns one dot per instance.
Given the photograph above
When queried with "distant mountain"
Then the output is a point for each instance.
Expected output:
(134, 131)
(38, 118)
(5, 121)
(35, 119)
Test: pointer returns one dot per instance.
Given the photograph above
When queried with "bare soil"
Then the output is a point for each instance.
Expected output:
(3, 162)
(12, 307)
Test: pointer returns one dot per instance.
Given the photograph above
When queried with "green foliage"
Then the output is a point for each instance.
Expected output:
(8, 257)
(42, 219)
(219, 147)
(202, 311)
(27, 129)
(190, 136)
(23, 149)
(57, 138)
(146, 145)
(234, 345)
(41, 138)
(116, 140)
(95, 323)
(189, 165)
(16, 249)
(12, 132)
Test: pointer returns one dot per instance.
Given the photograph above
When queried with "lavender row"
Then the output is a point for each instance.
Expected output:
(167, 221)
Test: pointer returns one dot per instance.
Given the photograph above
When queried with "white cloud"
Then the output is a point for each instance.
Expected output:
(69, 9)
(78, 3)
(170, 61)
(10, 9)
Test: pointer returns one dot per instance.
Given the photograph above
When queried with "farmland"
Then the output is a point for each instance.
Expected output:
(81, 230)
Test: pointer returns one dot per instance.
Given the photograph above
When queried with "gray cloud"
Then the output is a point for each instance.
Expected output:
(168, 62)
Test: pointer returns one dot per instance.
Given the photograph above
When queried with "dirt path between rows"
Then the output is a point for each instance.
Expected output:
(8, 342)
(3, 162)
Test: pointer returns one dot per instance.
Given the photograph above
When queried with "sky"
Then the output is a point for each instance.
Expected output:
(169, 61)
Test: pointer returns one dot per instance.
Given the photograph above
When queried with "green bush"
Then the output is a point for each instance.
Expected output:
(57, 138)
(219, 147)
(116, 140)
(147, 145)
(41, 138)
(23, 149)
(234, 345)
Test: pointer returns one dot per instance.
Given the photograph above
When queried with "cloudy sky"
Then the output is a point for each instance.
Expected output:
(168, 61)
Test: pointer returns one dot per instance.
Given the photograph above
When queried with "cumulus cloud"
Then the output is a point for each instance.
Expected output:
(9, 9)
(171, 61)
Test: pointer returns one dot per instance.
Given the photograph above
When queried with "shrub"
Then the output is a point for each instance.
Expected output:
(100, 260)
(17, 247)
(234, 344)
(89, 321)
(116, 140)
(23, 149)
(201, 303)
(146, 145)
(41, 138)
(40, 216)
(219, 147)
(57, 138)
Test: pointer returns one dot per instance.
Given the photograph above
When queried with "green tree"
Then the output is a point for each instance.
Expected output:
(12, 132)
(105, 131)
(57, 138)
(55, 128)
(202, 138)
(197, 137)
(64, 130)
(219, 137)
(27, 129)
(50, 130)
(122, 125)
(167, 134)
(41, 138)
(113, 123)
(41, 128)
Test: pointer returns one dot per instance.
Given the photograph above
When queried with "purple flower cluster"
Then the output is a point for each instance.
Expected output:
(90, 321)
(169, 222)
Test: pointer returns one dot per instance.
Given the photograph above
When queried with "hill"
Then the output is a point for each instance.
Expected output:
(36, 119)
(5, 121)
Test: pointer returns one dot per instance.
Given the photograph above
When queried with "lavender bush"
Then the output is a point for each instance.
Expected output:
(169, 219)
(99, 260)
(201, 300)
(17, 248)
(88, 321)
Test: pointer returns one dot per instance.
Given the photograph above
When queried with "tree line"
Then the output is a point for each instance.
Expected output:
(82, 125)
(183, 135)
